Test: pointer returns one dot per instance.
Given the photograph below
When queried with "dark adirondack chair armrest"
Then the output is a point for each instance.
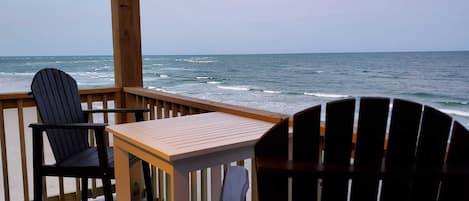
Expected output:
(42, 126)
(99, 134)
(117, 110)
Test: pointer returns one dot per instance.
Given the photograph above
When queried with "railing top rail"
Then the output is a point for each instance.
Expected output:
(206, 104)
(24, 95)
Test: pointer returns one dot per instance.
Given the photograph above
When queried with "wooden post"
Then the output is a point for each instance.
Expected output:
(127, 63)
(127, 43)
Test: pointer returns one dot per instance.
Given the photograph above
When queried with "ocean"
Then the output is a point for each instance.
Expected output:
(285, 83)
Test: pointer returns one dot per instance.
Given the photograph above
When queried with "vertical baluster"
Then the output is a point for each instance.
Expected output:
(6, 189)
(168, 187)
(106, 118)
(89, 103)
(152, 109)
(23, 149)
(77, 189)
(159, 109)
(145, 105)
(193, 176)
(154, 172)
(166, 107)
(215, 181)
(175, 109)
(194, 110)
(203, 185)
(61, 189)
(44, 182)
(161, 182)
(254, 196)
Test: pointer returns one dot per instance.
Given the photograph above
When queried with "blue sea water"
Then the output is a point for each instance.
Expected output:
(284, 83)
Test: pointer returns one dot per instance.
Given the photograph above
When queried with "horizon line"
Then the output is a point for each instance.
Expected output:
(273, 53)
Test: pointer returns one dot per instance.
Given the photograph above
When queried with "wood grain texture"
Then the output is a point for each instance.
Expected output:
(127, 43)
(192, 135)
(6, 188)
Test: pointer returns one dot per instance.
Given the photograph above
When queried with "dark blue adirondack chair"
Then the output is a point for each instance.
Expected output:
(66, 125)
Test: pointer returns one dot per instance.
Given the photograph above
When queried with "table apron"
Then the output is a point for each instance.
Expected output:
(144, 155)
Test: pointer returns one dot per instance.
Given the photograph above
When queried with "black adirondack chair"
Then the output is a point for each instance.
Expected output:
(398, 153)
(66, 124)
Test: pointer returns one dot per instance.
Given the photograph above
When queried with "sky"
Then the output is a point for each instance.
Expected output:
(71, 27)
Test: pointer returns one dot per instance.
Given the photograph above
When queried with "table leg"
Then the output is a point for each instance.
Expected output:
(122, 173)
(216, 181)
(179, 185)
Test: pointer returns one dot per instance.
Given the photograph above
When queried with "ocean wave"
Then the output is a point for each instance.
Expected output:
(92, 74)
(160, 89)
(156, 64)
(164, 76)
(323, 95)
(422, 94)
(13, 74)
(198, 60)
(454, 103)
(203, 78)
(456, 112)
(213, 82)
(236, 88)
(271, 91)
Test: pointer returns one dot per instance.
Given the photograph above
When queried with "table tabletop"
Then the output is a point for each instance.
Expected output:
(192, 135)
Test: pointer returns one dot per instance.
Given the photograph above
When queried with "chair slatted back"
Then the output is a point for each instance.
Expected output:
(400, 151)
(274, 145)
(58, 101)
(338, 146)
(307, 140)
(369, 151)
(456, 187)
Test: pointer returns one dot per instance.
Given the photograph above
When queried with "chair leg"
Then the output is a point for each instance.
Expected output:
(37, 187)
(84, 189)
(147, 178)
(107, 189)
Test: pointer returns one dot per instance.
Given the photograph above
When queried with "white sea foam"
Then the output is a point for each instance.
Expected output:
(236, 88)
(156, 64)
(271, 91)
(197, 60)
(164, 76)
(203, 77)
(456, 112)
(161, 89)
(323, 95)
(213, 82)
(13, 74)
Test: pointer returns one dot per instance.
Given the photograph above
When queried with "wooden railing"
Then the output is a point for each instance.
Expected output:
(18, 111)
